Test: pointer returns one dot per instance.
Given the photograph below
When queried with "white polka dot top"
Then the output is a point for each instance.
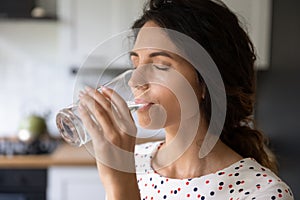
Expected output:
(243, 180)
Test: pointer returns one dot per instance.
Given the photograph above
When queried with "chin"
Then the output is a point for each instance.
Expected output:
(152, 117)
(151, 124)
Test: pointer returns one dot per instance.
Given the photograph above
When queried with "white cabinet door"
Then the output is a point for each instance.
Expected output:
(74, 183)
(256, 17)
(87, 23)
(29, 41)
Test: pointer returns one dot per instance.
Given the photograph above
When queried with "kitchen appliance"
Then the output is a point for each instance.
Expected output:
(23, 184)
(9, 146)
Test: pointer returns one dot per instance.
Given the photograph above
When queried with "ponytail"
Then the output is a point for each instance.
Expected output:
(249, 142)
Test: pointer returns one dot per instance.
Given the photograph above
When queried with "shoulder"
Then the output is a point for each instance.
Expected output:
(253, 180)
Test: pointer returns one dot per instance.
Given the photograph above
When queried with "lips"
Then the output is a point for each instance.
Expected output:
(146, 106)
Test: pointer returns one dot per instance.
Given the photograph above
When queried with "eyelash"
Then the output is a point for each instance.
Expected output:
(161, 68)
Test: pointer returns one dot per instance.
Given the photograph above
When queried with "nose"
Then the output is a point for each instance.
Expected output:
(138, 80)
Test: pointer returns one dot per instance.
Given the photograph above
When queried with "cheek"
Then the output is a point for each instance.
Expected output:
(166, 110)
(171, 104)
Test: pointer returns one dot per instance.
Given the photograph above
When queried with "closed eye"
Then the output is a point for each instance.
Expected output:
(162, 67)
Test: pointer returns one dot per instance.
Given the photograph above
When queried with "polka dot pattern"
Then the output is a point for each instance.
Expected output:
(245, 179)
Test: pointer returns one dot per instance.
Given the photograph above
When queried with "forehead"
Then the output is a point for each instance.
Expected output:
(151, 36)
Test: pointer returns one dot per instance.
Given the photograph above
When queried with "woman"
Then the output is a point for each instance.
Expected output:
(239, 165)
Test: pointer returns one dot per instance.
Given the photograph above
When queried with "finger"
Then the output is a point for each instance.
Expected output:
(117, 101)
(81, 93)
(99, 113)
(119, 113)
(125, 122)
(105, 103)
(91, 126)
(100, 98)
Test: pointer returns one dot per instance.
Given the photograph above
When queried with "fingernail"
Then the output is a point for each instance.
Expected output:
(81, 93)
(88, 89)
(103, 87)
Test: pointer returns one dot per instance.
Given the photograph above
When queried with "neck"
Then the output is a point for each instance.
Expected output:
(179, 156)
(186, 130)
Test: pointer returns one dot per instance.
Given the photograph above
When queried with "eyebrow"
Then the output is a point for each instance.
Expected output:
(154, 54)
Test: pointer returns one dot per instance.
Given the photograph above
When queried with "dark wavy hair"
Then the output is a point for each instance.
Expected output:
(219, 32)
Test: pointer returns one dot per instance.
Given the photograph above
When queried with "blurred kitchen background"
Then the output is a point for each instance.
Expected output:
(44, 42)
(278, 87)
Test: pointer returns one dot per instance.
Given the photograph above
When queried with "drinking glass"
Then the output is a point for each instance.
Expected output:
(69, 123)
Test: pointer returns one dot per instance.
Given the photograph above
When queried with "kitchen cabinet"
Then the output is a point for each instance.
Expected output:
(27, 41)
(69, 173)
(74, 183)
(23, 184)
(90, 22)
(87, 23)
(256, 16)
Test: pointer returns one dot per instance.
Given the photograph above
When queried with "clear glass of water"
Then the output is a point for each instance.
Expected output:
(69, 123)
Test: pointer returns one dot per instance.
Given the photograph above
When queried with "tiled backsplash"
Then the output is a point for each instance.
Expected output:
(27, 87)
(40, 88)
(31, 78)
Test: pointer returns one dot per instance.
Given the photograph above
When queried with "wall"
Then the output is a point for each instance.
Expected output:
(32, 77)
(278, 96)
(36, 56)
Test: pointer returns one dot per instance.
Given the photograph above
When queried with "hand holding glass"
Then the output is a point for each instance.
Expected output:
(69, 123)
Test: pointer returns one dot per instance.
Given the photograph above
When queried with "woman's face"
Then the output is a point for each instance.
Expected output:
(163, 91)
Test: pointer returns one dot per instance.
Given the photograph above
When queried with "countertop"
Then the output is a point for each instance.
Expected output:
(64, 155)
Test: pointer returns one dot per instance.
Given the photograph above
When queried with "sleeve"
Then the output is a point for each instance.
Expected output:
(279, 191)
